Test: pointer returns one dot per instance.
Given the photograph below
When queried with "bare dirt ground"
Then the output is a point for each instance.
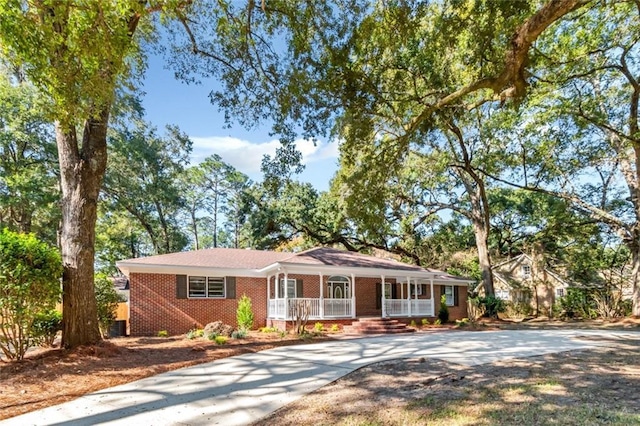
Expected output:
(419, 392)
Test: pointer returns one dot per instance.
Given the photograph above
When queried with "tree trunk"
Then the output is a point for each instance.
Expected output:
(635, 271)
(484, 259)
(81, 171)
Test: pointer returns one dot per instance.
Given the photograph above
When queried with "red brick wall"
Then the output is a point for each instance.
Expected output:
(154, 306)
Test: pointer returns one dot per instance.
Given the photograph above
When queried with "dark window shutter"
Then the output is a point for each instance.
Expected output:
(455, 295)
(181, 286)
(231, 287)
(299, 288)
(378, 295)
(394, 291)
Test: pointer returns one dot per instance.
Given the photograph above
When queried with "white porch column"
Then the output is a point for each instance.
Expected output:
(286, 295)
(433, 303)
(321, 296)
(268, 295)
(277, 290)
(353, 296)
(409, 295)
(383, 300)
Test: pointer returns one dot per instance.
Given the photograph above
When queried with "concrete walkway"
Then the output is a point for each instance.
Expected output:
(242, 389)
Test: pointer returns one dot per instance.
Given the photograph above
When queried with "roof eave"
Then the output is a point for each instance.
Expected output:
(148, 268)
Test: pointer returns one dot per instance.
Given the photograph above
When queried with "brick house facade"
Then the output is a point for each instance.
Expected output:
(181, 291)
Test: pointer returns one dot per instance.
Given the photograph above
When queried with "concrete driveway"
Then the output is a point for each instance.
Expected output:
(242, 389)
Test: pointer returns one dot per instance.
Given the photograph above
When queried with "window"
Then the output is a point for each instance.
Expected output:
(420, 288)
(387, 291)
(216, 287)
(448, 292)
(526, 271)
(503, 294)
(206, 287)
(291, 289)
(560, 292)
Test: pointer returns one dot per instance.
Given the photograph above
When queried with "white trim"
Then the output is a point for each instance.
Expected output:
(128, 268)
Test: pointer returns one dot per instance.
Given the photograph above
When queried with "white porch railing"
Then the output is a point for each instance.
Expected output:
(400, 307)
(333, 308)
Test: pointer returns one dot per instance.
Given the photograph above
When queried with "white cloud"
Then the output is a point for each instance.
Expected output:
(247, 156)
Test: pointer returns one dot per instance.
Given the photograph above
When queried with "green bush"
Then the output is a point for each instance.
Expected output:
(30, 274)
(335, 328)
(492, 306)
(424, 321)
(437, 322)
(269, 330)
(443, 313)
(45, 327)
(163, 333)
(413, 323)
(239, 334)
(244, 314)
(318, 327)
(107, 299)
(220, 340)
(578, 303)
(194, 333)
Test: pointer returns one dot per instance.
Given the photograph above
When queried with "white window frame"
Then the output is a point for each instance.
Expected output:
(503, 294)
(526, 271)
(450, 298)
(560, 292)
(291, 284)
(207, 292)
(413, 289)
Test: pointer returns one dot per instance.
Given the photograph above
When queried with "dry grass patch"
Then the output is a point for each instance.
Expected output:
(596, 387)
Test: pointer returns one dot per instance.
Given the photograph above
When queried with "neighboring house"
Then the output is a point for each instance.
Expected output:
(179, 291)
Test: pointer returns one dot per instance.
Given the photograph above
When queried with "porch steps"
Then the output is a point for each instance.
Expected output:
(377, 326)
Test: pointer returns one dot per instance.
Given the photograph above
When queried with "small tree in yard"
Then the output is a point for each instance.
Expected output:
(443, 313)
(244, 314)
(107, 299)
(30, 274)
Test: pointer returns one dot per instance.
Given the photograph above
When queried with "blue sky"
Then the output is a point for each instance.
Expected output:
(168, 101)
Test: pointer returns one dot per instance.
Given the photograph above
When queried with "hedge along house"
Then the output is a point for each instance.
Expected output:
(180, 291)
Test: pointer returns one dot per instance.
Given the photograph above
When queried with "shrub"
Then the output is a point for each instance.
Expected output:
(578, 303)
(437, 322)
(443, 313)
(45, 327)
(335, 327)
(269, 330)
(492, 306)
(107, 299)
(239, 334)
(30, 274)
(220, 340)
(424, 321)
(318, 327)
(244, 314)
(212, 336)
(163, 333)
(517, 310)
(194, 333)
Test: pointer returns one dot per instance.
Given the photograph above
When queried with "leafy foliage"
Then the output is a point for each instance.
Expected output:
(244, 314)
(30, 274)
(107, 300)
(443, 312)
(492, 306)
(46, 326)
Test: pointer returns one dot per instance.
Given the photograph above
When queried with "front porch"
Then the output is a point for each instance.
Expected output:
(327, 309)
(339, 297)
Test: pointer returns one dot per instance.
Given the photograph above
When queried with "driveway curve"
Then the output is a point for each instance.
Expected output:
(245, 388)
